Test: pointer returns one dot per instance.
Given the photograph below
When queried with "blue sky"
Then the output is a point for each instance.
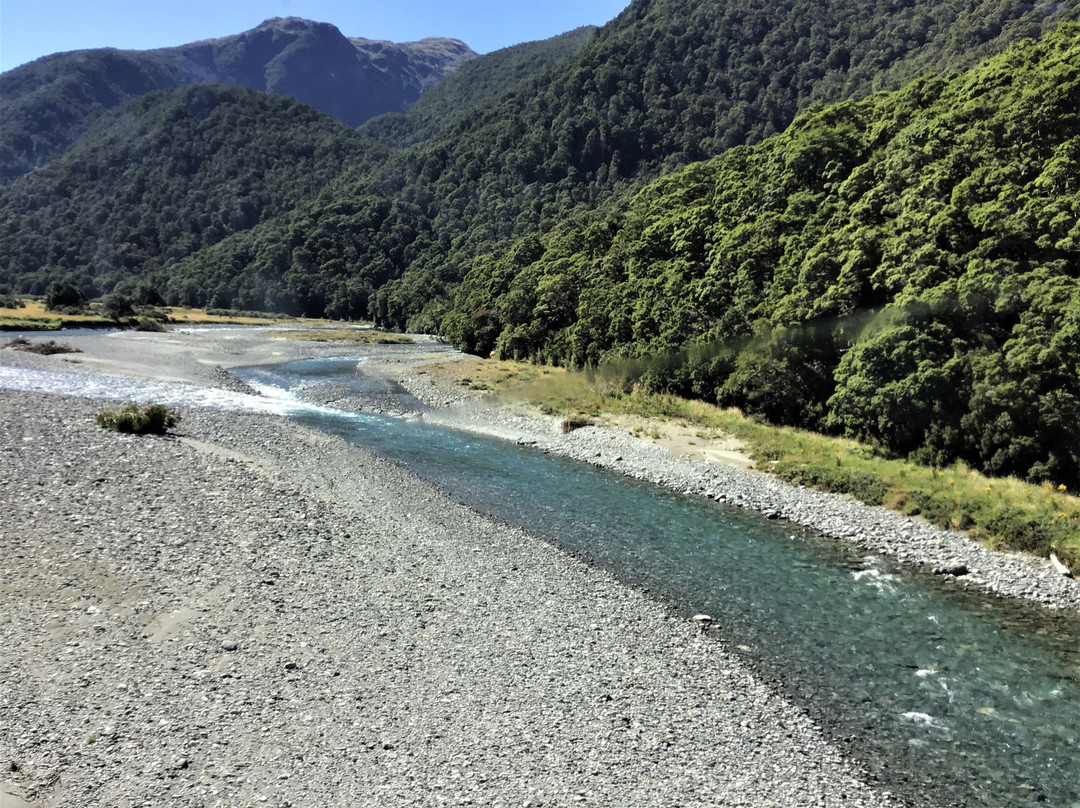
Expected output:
(33, 28)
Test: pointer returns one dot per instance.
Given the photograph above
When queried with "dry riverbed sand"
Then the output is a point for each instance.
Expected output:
(252, 613)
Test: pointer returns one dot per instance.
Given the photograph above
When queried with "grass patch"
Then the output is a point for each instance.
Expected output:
(358, 335)
(33, 316)
(178, 314)
(1005, 513)
(495, 375)
(135, 419)
(29, 324)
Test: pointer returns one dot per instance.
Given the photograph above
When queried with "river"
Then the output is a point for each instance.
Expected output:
(946, 696)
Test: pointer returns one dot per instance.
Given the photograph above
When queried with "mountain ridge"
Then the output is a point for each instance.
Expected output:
(661, 85)
(46, 104)
(474, 84)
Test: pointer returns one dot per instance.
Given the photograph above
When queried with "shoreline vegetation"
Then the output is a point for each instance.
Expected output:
(28, 314)
(1001, 513)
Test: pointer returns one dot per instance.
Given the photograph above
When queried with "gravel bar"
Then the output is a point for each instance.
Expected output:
(251, 613)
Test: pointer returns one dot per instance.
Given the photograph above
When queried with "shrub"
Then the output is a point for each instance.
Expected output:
(576, 421)
(217, 311)
(1016, 530)
(933, 508)
(148, 324)
(860, 484)
(149, 419)
(64, 296)
(117, 306)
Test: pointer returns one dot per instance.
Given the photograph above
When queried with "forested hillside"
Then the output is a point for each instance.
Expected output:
(666, 83)
(165, 175)
(943, 215)
(46, 104)
(902, 269)
(473, 85)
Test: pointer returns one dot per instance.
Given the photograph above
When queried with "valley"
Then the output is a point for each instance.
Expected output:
(683, 410)
(311, 460)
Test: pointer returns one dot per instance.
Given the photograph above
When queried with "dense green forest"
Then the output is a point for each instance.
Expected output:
(896, 267)
(46, 105)
(902, 269)
(164, 176)
(666, 83)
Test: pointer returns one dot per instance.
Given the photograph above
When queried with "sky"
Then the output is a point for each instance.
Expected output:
(33, 28)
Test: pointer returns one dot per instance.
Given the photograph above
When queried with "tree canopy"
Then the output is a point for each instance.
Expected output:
(47, 104)
(902, 269)
(666, 83)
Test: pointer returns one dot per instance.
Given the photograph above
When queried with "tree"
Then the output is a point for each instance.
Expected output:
(63, 294)
(117, 306)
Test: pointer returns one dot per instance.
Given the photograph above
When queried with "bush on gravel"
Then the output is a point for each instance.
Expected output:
(576, 421)
(132, 419)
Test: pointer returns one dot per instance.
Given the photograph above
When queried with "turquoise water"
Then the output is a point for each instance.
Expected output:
(948, 698)
(951, 698)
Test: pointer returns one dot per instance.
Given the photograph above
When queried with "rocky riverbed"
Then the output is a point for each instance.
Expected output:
(875, 529)
(251, 613)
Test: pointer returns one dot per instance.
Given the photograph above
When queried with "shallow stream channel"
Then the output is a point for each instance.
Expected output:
(945, 696)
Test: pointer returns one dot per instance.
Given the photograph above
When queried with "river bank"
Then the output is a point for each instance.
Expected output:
(254, 613)
(728, 477)
(203, 356)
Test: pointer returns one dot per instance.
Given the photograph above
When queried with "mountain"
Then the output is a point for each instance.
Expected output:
(167, 174)
(902, 269)
(473, 85)
(46, 104)
(666, 83)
